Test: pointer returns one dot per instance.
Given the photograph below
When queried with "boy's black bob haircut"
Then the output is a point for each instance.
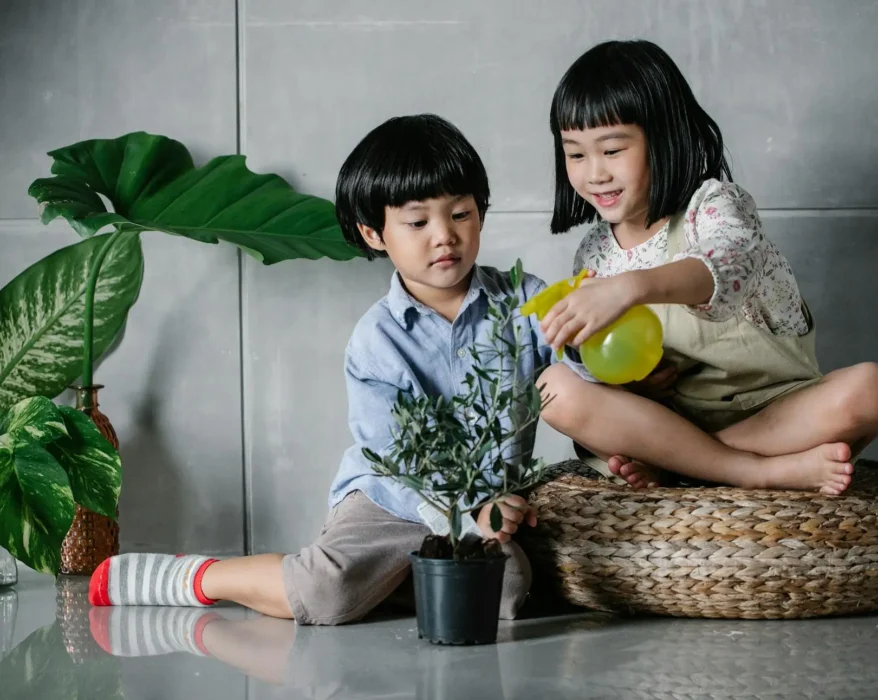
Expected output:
(405, 159)
(636, 82)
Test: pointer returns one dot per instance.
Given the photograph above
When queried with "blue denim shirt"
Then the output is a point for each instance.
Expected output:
(400, 344)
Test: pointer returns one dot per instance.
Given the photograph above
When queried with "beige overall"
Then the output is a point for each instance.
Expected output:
(728, 370)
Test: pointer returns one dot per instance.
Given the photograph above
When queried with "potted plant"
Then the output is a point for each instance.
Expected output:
(439, 453)
(51, 459)
(62, 313)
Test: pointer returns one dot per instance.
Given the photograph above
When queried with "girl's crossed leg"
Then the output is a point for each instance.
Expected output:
(610, 421)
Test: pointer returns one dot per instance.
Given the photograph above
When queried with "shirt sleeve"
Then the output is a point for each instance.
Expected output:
(371, 399)
(724, 232)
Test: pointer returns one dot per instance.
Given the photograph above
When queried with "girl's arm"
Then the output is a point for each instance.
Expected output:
(722, 262)
(687, 281)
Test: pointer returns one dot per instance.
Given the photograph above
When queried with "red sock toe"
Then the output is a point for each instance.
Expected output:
(99, 586)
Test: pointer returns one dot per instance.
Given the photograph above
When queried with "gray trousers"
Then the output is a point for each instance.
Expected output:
(361, 557)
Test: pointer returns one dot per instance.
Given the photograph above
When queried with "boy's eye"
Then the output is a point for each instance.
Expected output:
(460, 215)
(417, 224)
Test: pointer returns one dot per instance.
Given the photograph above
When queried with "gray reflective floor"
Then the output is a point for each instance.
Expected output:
(51, 644)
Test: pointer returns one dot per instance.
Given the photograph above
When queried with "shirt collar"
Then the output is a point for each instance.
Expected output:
(401, 303)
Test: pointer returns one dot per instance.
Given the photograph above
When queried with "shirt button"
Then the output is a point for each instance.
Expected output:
(461, 352)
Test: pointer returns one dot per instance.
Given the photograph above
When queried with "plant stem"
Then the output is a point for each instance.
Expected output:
(89, 316)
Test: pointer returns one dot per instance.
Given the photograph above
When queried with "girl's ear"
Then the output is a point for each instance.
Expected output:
(371, 236)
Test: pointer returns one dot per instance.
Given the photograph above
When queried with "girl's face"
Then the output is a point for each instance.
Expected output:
(608, 166)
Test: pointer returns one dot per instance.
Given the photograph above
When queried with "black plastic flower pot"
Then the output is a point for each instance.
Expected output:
(458, 602)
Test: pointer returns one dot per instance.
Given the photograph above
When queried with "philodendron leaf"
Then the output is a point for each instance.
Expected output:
(36, 504)
(154, 186)
(92, 464)
(41, 315)
(37, 417)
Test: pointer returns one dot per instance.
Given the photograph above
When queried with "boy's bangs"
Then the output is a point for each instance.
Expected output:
(419, 171)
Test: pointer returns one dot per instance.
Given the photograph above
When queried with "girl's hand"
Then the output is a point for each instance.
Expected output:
(592, 307)
(515, 511)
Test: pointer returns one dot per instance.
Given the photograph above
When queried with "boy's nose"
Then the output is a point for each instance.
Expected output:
(445, 234)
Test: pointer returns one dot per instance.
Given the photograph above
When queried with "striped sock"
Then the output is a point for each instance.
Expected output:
(150, 579)
(150, 631)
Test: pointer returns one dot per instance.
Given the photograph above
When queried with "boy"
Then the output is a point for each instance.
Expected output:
(415, 190)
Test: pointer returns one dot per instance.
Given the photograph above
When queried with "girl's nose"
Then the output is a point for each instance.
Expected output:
(597, 174)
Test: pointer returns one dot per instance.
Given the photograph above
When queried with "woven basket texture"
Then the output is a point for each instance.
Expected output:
(705, 552)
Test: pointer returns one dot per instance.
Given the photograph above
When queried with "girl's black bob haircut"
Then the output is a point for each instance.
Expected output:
(406, 159)
(636, 82)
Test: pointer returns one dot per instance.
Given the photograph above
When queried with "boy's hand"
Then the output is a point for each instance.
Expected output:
(582, 313)
(659, 384)
(515, 510)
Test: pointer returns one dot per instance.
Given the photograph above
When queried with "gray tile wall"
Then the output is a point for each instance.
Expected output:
(789, 81)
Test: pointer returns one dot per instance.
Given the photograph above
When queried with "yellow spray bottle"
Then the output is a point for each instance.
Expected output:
(625, 351)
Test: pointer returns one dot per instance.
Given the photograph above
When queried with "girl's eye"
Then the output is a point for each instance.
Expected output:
(417, 224)
(574, 156)
(612, 152)
(460, 215)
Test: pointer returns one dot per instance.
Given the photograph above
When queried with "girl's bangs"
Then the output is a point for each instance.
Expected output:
(583, 101)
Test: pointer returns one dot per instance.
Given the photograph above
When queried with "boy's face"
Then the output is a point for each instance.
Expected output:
(432, 243)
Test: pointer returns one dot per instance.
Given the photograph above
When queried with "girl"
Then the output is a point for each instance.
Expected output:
(739, 398)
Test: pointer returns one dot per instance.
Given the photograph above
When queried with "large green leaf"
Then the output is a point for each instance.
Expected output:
(36, 504)
(38, 417)
(153, 186)
(41, 315)
(92, 464)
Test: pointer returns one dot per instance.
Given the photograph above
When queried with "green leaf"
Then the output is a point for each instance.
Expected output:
(154, 186)
(516, 274)
(37, 417)
(41, 315)
(36, 505)
(481, 452)
(496, 518)
(91, 462)
(455, 521)
(371, 456)
(413, 482)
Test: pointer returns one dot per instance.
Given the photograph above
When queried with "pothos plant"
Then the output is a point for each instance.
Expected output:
(62, 313)
(51, 458)
(457, 465)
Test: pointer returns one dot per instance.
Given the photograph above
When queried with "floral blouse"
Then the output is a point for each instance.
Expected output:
(723, 230)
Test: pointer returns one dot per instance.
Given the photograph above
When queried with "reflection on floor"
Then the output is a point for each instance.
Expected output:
(54, 645)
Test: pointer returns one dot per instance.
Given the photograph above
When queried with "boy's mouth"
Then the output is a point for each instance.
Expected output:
(446, 261)
(607, 199)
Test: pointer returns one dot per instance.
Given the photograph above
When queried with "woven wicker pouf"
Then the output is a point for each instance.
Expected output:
(705, 552)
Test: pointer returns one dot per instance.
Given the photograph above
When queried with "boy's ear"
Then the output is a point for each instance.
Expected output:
(371, 236)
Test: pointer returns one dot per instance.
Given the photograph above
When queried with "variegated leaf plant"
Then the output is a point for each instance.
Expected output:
(51, 458)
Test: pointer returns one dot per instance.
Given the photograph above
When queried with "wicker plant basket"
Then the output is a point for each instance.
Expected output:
(705, 552)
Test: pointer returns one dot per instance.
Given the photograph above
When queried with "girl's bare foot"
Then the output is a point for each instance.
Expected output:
(825, 468)
(637, 474)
